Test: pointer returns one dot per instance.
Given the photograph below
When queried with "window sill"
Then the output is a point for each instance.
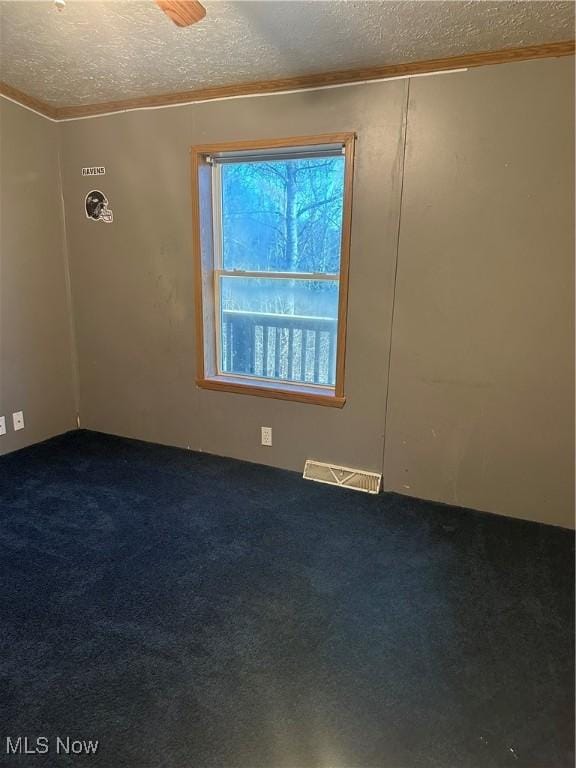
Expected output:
(279, 391)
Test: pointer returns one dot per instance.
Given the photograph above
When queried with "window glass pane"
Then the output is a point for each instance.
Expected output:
(279, 328)
(283, 215)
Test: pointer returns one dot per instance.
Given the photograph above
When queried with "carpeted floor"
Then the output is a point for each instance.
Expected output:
(188, 611)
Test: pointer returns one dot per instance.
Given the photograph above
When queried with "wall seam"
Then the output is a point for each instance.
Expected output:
(69, 299)
(400, 208)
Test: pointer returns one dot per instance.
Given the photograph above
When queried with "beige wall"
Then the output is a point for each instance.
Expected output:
(480, 408)
(35, 342)
(482, 373)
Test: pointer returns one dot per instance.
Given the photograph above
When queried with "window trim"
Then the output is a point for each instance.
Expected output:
(207, 376)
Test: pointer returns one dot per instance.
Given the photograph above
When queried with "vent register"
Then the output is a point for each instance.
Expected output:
(344, 477)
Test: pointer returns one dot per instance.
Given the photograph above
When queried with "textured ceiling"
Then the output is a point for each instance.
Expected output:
(101, 51)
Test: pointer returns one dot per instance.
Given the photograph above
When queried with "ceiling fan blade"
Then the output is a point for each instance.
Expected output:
(182, 12)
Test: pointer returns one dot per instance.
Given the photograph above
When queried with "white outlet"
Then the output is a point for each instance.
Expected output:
(2, 425)
(18, 420)
(266, 435)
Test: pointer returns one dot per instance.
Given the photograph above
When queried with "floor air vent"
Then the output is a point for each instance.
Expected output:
(357, 479)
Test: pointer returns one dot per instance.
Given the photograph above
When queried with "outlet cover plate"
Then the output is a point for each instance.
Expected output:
(18, 420)
(2, 425)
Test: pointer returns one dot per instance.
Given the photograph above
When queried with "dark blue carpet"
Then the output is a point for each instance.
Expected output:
(189, 611)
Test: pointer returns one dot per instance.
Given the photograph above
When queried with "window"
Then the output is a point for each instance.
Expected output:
(272, 236)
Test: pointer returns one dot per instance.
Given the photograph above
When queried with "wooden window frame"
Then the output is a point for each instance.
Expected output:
(207, 376)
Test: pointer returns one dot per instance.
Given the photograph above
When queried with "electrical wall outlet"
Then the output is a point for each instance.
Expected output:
(2, 425)
(18, 420)
(266, 435)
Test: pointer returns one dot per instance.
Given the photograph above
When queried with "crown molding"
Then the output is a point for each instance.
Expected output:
(304, 82)
(28, 101)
